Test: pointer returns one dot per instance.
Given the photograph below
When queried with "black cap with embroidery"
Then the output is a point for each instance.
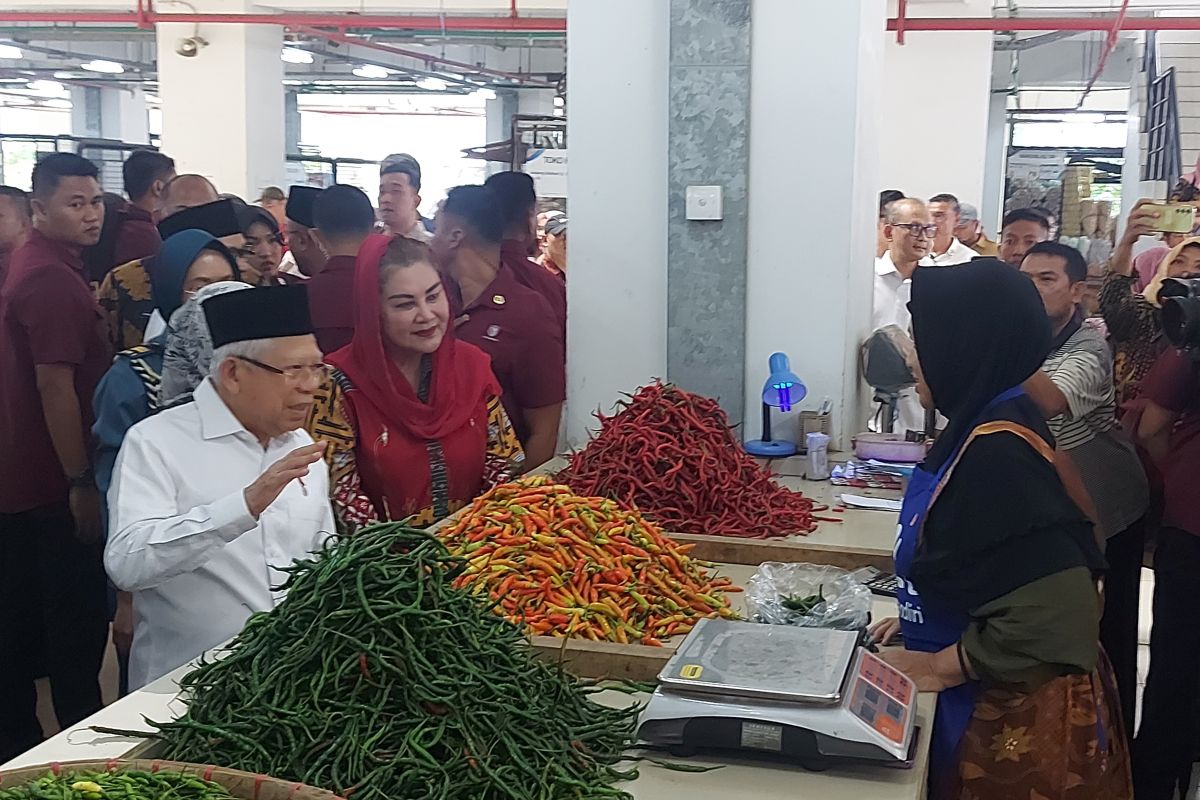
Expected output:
(271, 312)
(218, 218)
(299, 207)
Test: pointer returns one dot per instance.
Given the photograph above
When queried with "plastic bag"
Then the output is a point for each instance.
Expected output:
(846, 603)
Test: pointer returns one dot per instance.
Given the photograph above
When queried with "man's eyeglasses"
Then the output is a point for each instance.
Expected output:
(294, 373)
(917, 229)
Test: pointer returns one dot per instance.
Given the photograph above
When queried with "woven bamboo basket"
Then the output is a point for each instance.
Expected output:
(243, 785)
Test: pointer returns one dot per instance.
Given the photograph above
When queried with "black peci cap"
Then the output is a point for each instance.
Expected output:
(218, 218)
(271, 312)
(299, 207)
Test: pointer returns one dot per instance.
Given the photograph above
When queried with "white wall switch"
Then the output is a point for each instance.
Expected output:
(704, 202)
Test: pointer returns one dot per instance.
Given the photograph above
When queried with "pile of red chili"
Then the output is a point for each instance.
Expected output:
(673, 455)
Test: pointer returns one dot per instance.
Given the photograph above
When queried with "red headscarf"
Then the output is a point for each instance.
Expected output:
(460, 385)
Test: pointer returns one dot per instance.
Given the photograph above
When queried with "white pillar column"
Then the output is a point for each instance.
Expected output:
(104, 113)
(991, 205)
(617, 291)
(933, 112)
(222, 109)
(814, 183)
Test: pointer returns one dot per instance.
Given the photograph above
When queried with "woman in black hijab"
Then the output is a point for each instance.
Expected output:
(998, 602)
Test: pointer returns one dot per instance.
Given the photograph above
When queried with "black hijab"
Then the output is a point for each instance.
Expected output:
(1003, 519)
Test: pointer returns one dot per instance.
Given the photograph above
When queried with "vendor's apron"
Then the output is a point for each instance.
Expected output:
(929, 630)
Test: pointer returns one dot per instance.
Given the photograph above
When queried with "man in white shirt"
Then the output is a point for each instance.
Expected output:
(947, 250)
(400, 197)
(211, 498)
(909, 231)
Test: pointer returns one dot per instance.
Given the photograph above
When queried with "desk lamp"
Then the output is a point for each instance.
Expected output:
(782, 390)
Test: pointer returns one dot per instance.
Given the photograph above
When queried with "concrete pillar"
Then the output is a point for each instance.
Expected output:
(617, 292)
(934, 110)
(814, 183)
(103, 113)
(991, 205)
(222, 109)
(291, 122)
(536, 101)
(498, 116)
(709, 145)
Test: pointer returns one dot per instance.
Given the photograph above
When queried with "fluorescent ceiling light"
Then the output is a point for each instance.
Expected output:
(371, 71)
(432, 84)
(64, 74)
(10, 51)
(52, 88)
(57, 102)
(290, 82)
(293, 55)
(559, 102)
(101, 65)
(485, 93)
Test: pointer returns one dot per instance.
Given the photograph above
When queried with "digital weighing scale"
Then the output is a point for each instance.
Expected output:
(807, 695)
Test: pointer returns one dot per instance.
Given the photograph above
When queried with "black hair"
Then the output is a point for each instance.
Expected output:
(343, 210)
(946, 197)
(19, 197)
(54, 167)
(403, 168)
(886, 198)
(478, 207)
(1026, 215)
(142, 169)
(1184, 192)
(1074, 262)
(515, 196)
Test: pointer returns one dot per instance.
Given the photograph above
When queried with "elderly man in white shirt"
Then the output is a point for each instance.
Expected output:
(211, 498)
(909, 231)
(947, 251)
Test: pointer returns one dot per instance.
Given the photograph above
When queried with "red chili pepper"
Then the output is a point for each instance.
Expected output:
(674, 455)
(362, 666)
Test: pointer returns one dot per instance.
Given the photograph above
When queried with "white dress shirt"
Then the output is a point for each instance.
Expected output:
(182, 539)
(958, 253)
(892, 293)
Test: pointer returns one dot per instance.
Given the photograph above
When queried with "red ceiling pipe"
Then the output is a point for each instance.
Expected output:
(1104, 23)
(341, 21)
(457, 66)
(901, 20)
(1110, 44)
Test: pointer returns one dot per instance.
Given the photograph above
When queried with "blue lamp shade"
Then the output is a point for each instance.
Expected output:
(783, 389)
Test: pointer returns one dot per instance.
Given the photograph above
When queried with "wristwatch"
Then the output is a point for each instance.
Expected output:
(84, 480)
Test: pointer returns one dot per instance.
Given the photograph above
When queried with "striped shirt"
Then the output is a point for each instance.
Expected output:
(1107, 461)
(1082, 370)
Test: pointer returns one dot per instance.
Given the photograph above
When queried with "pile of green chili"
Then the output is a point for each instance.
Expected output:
(117, 785)
(375, 678)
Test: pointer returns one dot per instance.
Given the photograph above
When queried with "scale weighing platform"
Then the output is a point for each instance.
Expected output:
(806, 695)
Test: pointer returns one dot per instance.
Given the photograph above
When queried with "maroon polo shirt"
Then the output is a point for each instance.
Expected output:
(137, 236)
(534, 276)
(331, 303)
(1173, 384)
(516, 327)
(48, 315)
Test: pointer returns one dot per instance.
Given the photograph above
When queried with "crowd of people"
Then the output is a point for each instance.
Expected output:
(197, 390)
(1068, 447)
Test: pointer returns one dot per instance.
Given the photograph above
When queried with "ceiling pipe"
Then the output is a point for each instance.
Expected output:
(147, 17)
(1110, 44)
(1102, 23)
(458, 66)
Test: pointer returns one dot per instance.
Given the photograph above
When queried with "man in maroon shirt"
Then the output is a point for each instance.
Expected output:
(1169, 429)
(517, 199)
(16, 221)
(344, 218)
(52, 586)
(510, 322)
(146, 174)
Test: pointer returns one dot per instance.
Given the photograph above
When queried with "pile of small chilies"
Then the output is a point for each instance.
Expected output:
(672, 454)
(583, 567)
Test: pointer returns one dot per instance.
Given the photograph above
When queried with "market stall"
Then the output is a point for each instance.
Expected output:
(769, 781)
